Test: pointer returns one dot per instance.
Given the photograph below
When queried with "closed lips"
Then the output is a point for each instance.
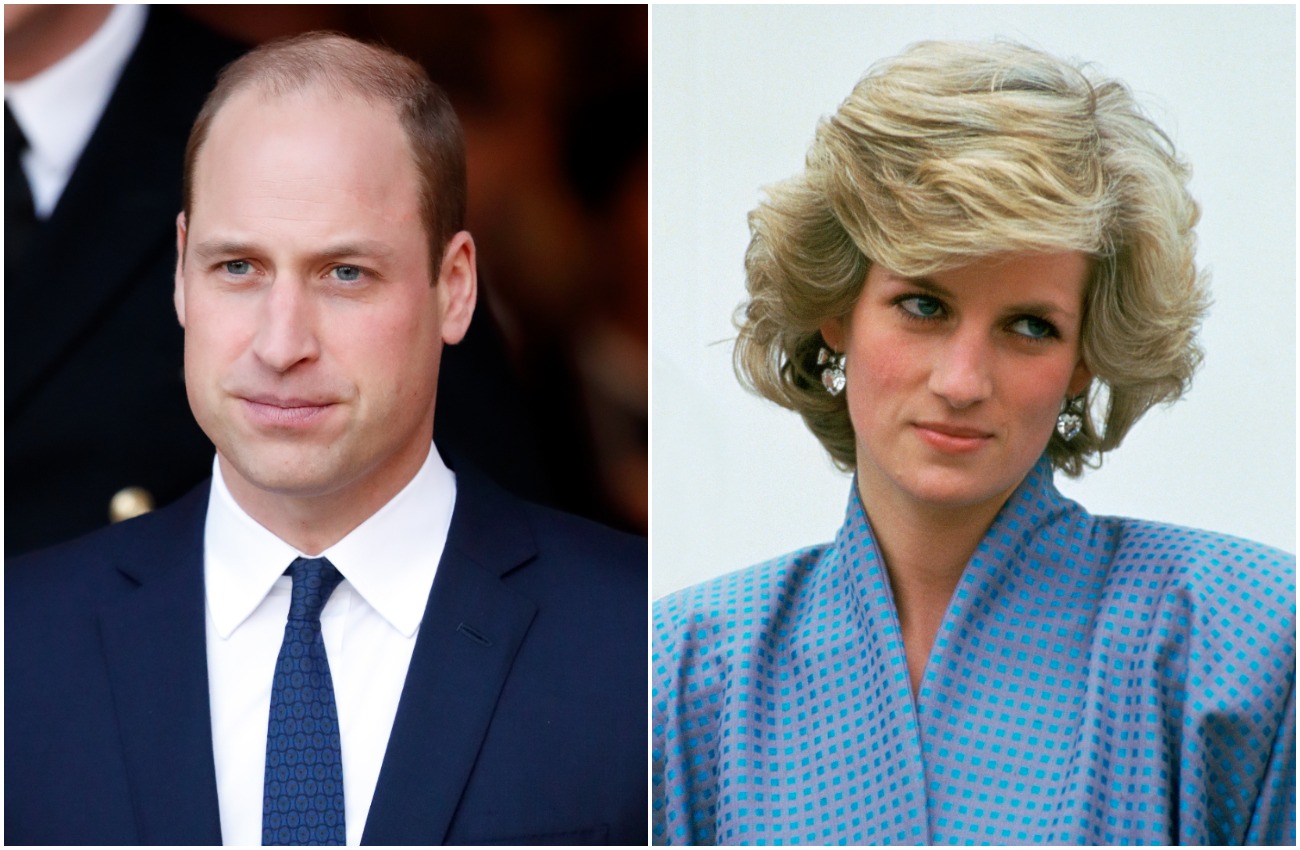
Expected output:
(954, 430)
(273, 401)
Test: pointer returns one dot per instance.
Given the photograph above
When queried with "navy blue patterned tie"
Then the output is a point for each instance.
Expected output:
(302, 800)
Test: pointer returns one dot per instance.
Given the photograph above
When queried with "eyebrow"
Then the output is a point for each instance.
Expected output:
(1033, 308)
(235, 248)
(220, 247)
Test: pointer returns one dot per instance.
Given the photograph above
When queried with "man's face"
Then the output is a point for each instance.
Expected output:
(312, 333)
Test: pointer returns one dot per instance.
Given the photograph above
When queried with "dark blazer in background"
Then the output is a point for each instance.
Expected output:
(94, 395)
(522, 720)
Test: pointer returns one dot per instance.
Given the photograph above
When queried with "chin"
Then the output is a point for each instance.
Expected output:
(293, 473)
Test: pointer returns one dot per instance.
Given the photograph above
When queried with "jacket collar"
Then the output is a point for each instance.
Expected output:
(472, 628)
(154, 648)
(856, 560)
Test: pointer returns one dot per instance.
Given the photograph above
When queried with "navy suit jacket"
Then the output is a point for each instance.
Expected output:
(522, 720)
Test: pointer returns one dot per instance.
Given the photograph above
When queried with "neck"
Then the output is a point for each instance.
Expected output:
(38, 36)
(925, 549)
(312, 523)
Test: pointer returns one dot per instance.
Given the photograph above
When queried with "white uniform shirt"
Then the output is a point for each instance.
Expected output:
(59, 108)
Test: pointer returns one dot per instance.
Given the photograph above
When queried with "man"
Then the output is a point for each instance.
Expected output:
(476, 665)
(99, 101)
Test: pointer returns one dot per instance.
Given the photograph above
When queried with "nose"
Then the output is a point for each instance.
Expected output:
(286, 332)
(962, 372)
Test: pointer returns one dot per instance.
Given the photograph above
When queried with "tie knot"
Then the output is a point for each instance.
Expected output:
(314, 579)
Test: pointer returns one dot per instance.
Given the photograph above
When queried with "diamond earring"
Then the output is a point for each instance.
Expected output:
(1070, 421)
(833, 372)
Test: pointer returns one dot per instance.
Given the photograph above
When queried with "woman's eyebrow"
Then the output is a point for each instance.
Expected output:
(927, 284)
(1030, 307)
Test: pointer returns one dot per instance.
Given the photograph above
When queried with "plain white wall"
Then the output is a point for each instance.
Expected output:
(737, 92)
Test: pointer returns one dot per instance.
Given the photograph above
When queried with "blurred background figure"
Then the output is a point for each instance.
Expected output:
(547, 394)
(98, 105)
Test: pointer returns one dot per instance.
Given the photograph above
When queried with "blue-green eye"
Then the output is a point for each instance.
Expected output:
(921, 306)
(1033, 328)
(347, 274)
(238, 267)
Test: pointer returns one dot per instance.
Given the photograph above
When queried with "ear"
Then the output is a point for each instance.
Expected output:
(178, 292)
(1080, 379)
(457, 287)
(833, 332)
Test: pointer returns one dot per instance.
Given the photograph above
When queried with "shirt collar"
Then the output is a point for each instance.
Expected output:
(59, 107)
(389, 560)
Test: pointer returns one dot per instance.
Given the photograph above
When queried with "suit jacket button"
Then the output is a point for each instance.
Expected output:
(129, 502)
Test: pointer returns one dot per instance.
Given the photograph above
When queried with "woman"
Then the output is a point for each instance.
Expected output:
(985, 274)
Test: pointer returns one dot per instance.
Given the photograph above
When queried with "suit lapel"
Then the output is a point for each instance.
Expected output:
(154, 647)
(472, 628)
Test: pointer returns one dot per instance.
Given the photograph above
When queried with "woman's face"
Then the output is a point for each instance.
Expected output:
(955, 380)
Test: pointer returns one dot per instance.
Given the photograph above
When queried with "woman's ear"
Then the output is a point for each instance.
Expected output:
(833, 332)
(1080, 379)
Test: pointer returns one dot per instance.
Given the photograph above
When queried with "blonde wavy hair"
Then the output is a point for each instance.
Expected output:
(955, 151)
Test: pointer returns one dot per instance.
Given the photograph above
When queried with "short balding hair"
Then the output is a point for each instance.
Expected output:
(344, 66)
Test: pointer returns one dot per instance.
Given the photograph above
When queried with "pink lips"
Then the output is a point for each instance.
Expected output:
(274, 412)
(951, 439)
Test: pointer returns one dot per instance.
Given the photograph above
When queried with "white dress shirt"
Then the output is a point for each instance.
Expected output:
(59, 108)
(369, 625)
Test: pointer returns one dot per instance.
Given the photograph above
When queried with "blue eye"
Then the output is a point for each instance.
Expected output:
(921, 306)
(1033, 328)
(238, 267)
(347, 274)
